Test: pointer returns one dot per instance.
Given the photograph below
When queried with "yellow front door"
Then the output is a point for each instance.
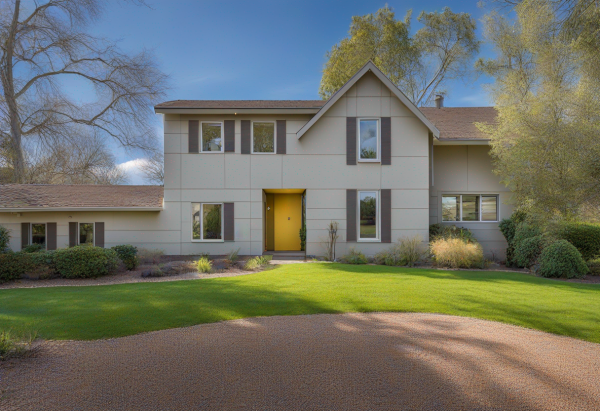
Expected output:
(287, 221)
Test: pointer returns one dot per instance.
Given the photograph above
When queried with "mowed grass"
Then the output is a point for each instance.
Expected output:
(117, 310)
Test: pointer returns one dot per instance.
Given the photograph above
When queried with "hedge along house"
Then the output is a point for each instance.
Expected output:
(250, 174)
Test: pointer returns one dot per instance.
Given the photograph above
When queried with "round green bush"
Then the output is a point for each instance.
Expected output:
(562, 259)
(128, 254)
(528, 250)
(85, 262)
(584, 236)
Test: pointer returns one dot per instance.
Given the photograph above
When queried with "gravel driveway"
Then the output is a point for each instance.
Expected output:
(328, 362)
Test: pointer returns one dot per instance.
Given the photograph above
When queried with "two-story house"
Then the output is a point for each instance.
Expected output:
(250, 174)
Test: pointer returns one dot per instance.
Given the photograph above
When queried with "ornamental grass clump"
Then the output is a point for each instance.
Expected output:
(204, 265)
(456, 253)
(354, 257)
(255, 263)
(407, 251)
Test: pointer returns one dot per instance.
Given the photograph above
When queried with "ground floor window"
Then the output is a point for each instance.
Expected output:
(38, 234)
(207, 221)
(470, 207)
(368, 215)
(86, 233)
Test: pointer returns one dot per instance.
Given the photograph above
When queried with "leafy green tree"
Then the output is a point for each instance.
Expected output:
(545, 142)
(419, 65)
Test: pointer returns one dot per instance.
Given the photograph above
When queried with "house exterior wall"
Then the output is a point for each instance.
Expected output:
(316, 162)
(467, 169)
(148, 229)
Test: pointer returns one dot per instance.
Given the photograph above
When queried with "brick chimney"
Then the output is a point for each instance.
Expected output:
(439, 101)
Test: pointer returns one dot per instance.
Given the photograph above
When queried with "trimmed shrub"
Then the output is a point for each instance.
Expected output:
(527, 251)
(14, 265)
(524, 231)
(33, 248)
(354, 257)
(594, 266)
(508, 228)
(584, 236)
(204, 265)
(561, 259)
(85, 262)
(447, 231)
(128, 254)
(456, 253)
(4, 239)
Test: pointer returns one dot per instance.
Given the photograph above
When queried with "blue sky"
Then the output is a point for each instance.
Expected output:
(255, 49)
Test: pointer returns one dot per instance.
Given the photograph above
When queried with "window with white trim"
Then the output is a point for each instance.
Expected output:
(368, 215)
(38, 233)
(263, 137)
(211, 137)
(470, 207)
(207, 221)
(86, 233)
(368, 139)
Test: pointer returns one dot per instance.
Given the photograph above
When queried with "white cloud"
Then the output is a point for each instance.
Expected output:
(133, 171)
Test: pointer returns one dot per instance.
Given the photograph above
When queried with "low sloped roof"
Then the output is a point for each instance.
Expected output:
(84, 196)
(232, 104)
(458, 123)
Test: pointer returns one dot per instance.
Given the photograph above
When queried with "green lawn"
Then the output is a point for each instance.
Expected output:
(117, 310)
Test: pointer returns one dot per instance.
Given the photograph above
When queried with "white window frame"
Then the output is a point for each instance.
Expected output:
(274, 136)
(45, 233)
(368, 160)
(93, 223)
(202, 240)
(480, 204)
(222, 137)
(377, 239)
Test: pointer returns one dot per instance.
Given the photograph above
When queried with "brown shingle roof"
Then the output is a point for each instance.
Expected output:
(229, 104)
(458, 122)
(79, 196)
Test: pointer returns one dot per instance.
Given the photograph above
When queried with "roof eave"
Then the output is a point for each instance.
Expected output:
(382, 77)
(187, 110)
(462, 142)
(44, 209)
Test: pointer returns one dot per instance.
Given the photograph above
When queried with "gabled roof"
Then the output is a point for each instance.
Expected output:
(382, 77)
(42, 197)
(220, 104)
(458, 123)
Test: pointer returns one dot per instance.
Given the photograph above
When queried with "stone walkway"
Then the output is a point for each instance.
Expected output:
(319, 362)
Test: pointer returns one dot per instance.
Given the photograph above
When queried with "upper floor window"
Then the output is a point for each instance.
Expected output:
(263, 137)
(211, 136)
(368, 205)
(469, 207)
(368, 139)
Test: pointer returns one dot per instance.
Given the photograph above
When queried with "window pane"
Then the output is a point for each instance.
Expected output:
(211, 223)
(263, 137)
(211, 136)
(368, 214)
(196, 221)
(450, 208)
(368, 138)
(470, 208)
(86, 233)
(489, 208)
(38, 233)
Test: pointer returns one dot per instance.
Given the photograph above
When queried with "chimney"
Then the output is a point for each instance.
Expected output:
(439, 101)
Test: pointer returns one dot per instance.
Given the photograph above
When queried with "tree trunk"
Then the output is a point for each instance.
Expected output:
(11, 101)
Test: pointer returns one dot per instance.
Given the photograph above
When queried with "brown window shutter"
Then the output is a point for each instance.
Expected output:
(194, 136)
(229, 222)
(386, 141)
(51, 236)
(246, 136)
(351, 141)
(351, 202)
(24, 235)
(99, 234)
(281, 137)
(72, 234)
(386, 215)
(229, 131)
